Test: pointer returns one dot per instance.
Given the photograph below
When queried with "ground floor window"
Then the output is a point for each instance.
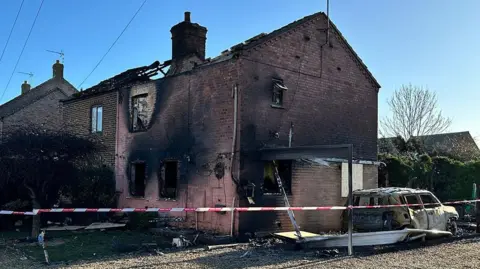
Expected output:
(137, 179)
(270, 184)
(168, 180)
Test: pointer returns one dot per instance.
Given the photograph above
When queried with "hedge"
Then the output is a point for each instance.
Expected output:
(449, 179)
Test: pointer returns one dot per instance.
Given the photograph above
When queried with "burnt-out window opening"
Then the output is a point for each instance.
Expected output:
(412, 199)
(139, 113)
(97, 119)
(137, 179)
(429, 201)
(168, 186)
(278, 92)
(270, 184)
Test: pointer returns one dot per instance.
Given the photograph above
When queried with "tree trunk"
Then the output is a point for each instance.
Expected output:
(35, 220)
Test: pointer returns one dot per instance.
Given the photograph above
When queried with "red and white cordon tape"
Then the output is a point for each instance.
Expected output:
(215, 209)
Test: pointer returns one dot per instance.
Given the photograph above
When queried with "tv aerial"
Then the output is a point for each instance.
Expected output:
(30, 75)
(62, 55)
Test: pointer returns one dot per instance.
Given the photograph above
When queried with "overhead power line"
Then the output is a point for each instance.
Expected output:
(11, 30)
(103, 57)
(21, 53)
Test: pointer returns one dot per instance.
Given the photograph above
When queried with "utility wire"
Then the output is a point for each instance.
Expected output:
(21, 53)
(134, 15)
(11, 30)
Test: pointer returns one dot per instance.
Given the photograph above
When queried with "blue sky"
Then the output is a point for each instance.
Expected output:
(433, 43)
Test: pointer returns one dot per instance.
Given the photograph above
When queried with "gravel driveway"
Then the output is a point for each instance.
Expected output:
(460, 254)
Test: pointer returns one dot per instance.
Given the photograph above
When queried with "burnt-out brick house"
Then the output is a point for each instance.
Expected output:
(193, 137)
(37, 107)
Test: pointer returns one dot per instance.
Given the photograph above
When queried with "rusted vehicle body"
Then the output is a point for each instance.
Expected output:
(422, 211)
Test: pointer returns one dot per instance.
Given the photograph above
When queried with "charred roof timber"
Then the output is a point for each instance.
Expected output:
(139, 74)
(188, 38)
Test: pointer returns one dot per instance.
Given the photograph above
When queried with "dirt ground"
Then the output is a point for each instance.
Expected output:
(459, 254)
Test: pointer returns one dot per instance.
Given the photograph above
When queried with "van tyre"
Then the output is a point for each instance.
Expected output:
(452, 227)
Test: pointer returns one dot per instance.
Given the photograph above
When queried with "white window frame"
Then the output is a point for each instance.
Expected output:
(96, 125)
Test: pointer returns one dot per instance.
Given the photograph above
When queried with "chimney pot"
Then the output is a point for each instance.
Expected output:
(188, 38)
(25, 87)
(57, 70)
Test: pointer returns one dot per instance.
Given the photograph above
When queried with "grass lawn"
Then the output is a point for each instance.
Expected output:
(63, 246)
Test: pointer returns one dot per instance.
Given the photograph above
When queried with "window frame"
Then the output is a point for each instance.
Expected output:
(419, 201)
(94, 113)
(287, 185)
(436, 203)
(132, 180)
(278, 91)
(132, 116)
(163, 176)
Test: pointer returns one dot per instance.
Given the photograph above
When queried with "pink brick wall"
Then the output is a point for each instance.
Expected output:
(192, 114)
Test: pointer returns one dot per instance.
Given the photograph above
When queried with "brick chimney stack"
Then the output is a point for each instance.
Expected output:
(188, 38)
(25, 87)
(58, 70)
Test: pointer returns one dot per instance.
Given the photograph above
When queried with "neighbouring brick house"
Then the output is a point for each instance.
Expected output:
(459, 145)
(37, 107)
(192, 137)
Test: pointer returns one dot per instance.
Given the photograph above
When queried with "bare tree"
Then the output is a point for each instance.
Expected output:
(414, 113)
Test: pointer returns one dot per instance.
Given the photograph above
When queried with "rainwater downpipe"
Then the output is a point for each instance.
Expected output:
(328, 22)
(1, 129)
(290, 134)
(234, 139)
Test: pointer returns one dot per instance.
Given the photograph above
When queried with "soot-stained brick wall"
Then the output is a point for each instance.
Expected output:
(330, 100)
(191, 121)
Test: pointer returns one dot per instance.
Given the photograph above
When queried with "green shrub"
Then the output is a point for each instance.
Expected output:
(449, 179)
(141, 221)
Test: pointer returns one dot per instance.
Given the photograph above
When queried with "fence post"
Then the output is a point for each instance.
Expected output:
(477, 209)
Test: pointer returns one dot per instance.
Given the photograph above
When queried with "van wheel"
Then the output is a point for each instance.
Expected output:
(452, 227)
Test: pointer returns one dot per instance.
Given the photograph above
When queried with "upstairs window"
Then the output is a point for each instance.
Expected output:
(278, 92)
(97, 119)
(139, 113)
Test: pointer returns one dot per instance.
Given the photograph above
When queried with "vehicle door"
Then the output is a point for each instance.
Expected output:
(436, 217)
(368, 219)
(417, 212)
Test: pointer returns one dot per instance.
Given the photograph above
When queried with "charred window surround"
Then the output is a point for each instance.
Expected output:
(138, 175)
(278, 93)
(96, 118)
(270, 185)
(168, 180)
(139, 113)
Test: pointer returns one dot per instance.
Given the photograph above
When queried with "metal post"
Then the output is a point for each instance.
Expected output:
(350, 201)
(477, 209)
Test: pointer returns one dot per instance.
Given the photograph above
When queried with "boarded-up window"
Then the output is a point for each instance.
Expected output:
(137, 179)
(168, 180)
(139, 113)
(270, 184)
